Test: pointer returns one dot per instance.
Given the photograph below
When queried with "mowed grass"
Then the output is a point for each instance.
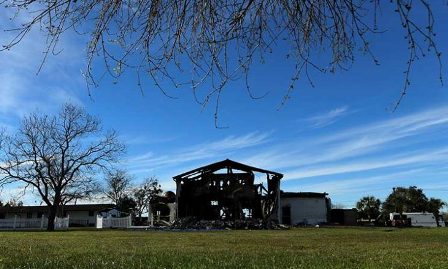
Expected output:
(296, 248)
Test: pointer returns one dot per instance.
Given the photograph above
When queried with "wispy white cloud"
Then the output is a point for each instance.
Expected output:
(222, 148)
(424, 157)
(133, 140)
(359, 184)
(360, 142)
(396, 151)
(328, 118)
(395, 128)
(22, 90)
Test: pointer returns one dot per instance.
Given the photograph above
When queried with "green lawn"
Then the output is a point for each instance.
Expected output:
(296, 248)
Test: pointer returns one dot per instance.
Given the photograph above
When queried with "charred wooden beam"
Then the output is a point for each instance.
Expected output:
(205, 193)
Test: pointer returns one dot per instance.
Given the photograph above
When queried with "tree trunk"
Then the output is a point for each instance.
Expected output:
(437, 219)
(51, 217)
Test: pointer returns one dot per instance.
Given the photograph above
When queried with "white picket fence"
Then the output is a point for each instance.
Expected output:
(110, 222)
(62, 223)
(35, 223)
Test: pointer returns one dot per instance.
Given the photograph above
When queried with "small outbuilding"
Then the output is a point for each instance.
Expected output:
(304, 208)
(346, 217)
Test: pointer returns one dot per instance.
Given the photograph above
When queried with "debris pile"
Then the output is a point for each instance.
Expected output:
(248, 224)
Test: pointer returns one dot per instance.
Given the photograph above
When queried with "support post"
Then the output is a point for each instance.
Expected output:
(15, 222)
(42, 219)
(278, 200)
(99, 222)
(178, 190)
(150, 215)
(172, 207)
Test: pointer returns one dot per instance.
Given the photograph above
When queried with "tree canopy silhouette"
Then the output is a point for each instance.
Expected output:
(368, 207)
(411, 199)
(58, 157)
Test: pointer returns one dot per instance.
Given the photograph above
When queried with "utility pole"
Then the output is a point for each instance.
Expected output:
(395, 199)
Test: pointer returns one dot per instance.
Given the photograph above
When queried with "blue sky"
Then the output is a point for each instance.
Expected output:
(340, 136)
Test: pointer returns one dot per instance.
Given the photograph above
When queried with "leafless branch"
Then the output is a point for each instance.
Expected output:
(219, 41)
(51, 155)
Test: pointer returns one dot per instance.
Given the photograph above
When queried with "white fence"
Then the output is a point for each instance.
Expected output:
(109, 222)
(79, 222)
(36, 223)
(61, 223)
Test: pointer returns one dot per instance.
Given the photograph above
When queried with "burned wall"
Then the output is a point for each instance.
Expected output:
(210, 194)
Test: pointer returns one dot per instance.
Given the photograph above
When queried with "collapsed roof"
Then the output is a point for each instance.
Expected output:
(226, 190)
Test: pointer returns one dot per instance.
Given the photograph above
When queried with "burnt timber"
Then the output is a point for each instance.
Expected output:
(226, 190)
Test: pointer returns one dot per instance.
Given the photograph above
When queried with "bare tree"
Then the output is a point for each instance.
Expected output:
(146, 194)
(219, 41)
(58, 156)
(118, 184)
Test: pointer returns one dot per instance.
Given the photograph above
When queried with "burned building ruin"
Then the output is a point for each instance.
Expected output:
(227, 190)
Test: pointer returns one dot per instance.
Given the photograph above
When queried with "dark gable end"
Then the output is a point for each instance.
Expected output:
(229, 164)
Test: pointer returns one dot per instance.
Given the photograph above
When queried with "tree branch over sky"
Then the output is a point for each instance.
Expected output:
(217, 42)
(118, 185)
(58, 156)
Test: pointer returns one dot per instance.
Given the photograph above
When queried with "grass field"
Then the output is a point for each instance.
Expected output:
(296, 248)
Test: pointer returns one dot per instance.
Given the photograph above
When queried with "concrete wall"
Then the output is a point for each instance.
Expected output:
(310, 211)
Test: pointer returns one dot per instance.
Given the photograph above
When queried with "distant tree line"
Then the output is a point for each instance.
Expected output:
(13, 202)
(402, 199)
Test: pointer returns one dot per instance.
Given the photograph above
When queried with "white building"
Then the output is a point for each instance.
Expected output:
(416, 219)
(80, 215)
(304, 208)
